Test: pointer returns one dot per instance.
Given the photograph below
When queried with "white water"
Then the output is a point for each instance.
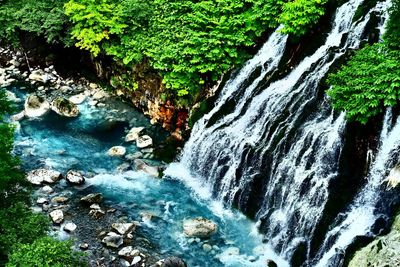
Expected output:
(302, 147)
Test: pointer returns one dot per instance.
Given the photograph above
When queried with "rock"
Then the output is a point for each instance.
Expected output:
(113, 240)
(15, 63)
(57, 216)
(133, 134)
(47, 189)
(65, 108)
(78, 99)
(199, 227)
(100, 95)
(93, 86)
(95, 207)
(19, 116)
(39, 76)
(84, 246)
(75, 178)
(173, 262)
(117, 151)
(66, 89)
(123, 228)
(134, 156)
(125, 252)
(140, 165)
(39, 176)
(135, 253)
(144, 141)
(123, 167)
(271, 263)
(59, 199)
(207, 247)
(393, 178)
(42, 201)
(69, 227)
(12, 97)
(94, 198)
(136, 260)
(36, 106)
(97, 213)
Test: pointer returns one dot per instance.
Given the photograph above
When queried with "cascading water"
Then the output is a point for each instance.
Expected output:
(275, 153)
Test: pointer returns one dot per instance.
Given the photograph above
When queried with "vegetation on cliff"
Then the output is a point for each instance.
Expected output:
(370, 80)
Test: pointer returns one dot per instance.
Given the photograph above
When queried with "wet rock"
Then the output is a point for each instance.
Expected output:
(36, 106)
(125, 252)
(123, 228)
(134, 156)
(199, 227)
(99, 95)
(78, 99)
(64, 107)
(39, 176)
(19, 116)
(70, 227)
(140, 165)
(47, 189)
(39, 76)
(144, 141)
(97, 213)
(12, 97)
(207, 247)
(113, 240)
(59, 199)
(117, 151)
(84, 246)
(95, 207)
(94, 198)
(173, 262)
(42, 201)
(133, 134)
(123, 167)
(57, 216)
(136, 260)
(271, 263)
(75, 178)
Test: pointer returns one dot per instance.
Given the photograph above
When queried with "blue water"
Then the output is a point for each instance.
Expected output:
(82, 143)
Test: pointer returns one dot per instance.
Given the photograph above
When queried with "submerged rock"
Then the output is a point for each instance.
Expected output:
(64, 107)
(117, 151)
(133, 134)
(144, 141)
(199, 227)
(36, 106)
(123, 228)
(39, 176)
(140, 165)
(94, 198)
(174, 262)
(75, 177)
(57, 216)
(113, 240)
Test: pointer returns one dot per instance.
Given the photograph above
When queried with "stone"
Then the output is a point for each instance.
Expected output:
(144, 141)
(207, 247)
(97, 213)
(134, 156)
(66, 89)
(93, 198)
(95, 207)
(70, 227)
(393, 179)
(123, 167)
(39, 76)
(57, 216)
(84, 246)
(59, 199)
(113, 240)
(75, 178)
(12, 97)
(135, 253)
(42, 201)
(271, 263)
(199, 227)
(125, 252)
(133, 134)
(140, 165)
(93, 86)
(173, 262)
(15, 62)
(36, 106)
(39, 176)
(136, 260)
(100, 94)
(78, 99)
(117, 151)
(47, 189)
(123, 228)
(19, 116)
(65, 108)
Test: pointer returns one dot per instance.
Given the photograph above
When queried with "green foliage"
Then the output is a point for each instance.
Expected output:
(370, 80)
(299, 15)
(41, 17)
(45, 252)
(93, 22)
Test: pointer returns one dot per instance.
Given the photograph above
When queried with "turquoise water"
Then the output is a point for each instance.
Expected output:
(82, 144)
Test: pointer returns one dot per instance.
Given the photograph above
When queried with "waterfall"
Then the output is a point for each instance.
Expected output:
(271, 148)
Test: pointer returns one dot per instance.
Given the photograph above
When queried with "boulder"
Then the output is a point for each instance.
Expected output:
(70, 227)
(75, 178)
(97, 213)
(173, 262)
(19, 116)
(84, 246)
(133, 134)
(59, 199)
(57, 216)
(39, 176)
(100, 94)
(64, 107)
(144, 141)
(117, 151)
(47, 189)
(393, 178)
(94, 198)
(113, 240)
(36, 106)
(123, 228)
(271, 263)
(78, 99)
(42, 201)
(199, 227)
(125, 252)
(140, 165)
(39, 76)
(136, 260)
(134, 156)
